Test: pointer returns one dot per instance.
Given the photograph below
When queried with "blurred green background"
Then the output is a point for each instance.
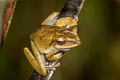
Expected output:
(98, 57)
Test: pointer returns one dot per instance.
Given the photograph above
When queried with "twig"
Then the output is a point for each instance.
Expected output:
(71, 9)
(36, 76)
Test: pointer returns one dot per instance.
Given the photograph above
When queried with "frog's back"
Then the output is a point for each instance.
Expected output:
(42, 32)
(34, 35)
(43, 37)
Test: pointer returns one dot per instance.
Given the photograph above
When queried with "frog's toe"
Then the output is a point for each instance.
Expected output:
(52, 65)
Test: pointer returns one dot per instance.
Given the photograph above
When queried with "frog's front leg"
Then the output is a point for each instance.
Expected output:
(54, 55)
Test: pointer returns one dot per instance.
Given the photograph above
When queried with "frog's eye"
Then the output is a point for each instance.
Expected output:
(61, 42)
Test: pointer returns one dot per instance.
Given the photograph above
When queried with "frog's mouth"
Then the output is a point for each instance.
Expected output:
(63, 49)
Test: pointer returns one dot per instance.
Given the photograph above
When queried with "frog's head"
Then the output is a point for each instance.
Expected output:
(66, 40)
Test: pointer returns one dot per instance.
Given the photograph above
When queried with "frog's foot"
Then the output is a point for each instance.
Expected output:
(51, 66)
(50, 20)
(53, 56)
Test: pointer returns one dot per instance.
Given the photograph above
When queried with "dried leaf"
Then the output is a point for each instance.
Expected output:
(6, 19)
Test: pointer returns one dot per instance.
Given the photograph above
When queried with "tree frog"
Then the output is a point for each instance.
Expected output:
(50, 40)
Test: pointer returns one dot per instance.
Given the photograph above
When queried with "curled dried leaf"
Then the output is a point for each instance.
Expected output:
(6, 19)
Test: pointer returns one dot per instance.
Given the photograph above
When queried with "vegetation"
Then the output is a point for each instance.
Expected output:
(98, 57)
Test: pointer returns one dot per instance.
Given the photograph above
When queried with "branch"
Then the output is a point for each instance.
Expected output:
(71, 9)
(36, 76)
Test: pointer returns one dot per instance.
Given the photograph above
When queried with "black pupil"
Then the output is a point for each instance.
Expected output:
(61, 42)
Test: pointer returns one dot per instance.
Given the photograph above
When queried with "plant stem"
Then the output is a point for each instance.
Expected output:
(71, 9)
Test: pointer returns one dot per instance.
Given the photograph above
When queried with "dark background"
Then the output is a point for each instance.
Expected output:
(98, 57)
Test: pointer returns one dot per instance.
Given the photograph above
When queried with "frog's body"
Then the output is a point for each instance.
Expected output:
(50, 40)
(45, 36)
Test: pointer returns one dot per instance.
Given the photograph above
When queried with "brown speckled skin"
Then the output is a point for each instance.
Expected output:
(50, 41)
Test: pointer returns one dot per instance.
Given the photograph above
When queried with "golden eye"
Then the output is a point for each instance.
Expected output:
(61, 42)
